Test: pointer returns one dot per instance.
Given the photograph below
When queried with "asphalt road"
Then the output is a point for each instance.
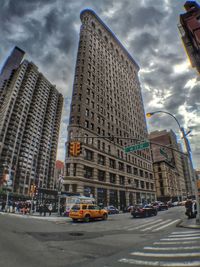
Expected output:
(119, 241)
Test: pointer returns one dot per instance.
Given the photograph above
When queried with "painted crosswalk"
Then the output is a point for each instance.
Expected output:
(153, 226)
(181, 248)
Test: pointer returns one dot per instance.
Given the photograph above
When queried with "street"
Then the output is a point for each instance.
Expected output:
(119, 241)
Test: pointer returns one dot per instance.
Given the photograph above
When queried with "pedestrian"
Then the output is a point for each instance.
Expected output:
(45, 209)
(61, 210)
(50, 209)
(188, 206)
(40, 209)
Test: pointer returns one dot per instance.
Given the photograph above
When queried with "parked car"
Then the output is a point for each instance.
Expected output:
(87, 212)
(160, 206)
(143, 211)
(112, 210)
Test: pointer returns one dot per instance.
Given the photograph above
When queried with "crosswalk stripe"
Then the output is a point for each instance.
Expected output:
(185, 232)
(151, 227)
(174, 242)
(180, 238)
(164, 255)
(185, 235)
(171, 248)
(143, 225)
(164, 226)
(161, 263)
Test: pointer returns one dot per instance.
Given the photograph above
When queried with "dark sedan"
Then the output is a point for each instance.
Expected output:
(143, 211)
(112, 210)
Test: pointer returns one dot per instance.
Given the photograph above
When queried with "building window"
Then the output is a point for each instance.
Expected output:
(89, 154)
(98, 144)
(74, 170)
(136, 183)
(121, 180)
(86, 124)
(103, 146)
(101, 159)
(101, 175)
(142, 184)
(121, 166)
(88, 172)
(87, 112)
(128, 168)
(112, 178)
(68, 169)
(112, 163)
(135, 170)
(147, 186)
(141, 173)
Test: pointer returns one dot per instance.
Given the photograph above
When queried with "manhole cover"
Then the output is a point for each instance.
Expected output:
(76, 234)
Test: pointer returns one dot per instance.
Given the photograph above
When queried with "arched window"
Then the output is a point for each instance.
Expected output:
(106, 39)
(93, 25)
(99, 31)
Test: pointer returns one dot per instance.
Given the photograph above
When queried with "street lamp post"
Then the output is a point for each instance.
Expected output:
(192, 177)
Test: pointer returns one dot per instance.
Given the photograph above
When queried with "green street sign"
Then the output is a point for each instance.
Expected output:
(136, 147)
(163, 152)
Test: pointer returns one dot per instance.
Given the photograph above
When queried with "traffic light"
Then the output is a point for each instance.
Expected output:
(78, 148)
(33, 190)
(74, 149)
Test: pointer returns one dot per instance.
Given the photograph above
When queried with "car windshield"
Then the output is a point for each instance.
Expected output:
(76, 207)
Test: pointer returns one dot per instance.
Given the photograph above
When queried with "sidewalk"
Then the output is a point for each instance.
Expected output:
(189, 223)
(36, 215)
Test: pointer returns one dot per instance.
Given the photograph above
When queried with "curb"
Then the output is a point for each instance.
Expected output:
(192, 226)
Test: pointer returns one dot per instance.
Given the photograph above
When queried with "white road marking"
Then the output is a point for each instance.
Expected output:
(171, 248)
(146, 224)
(166, 225)
(161, 263)
(174, 242)
(164, 255)
(151, 227)
(182, 238)
(197, 234)
(185, 232)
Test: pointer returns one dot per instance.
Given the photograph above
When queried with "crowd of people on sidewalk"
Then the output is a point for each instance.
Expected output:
(24, 207)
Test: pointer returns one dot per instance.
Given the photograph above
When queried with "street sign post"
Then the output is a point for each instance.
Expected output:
(140, 146)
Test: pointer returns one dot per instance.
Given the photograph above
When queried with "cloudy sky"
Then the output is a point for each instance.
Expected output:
(48, 30)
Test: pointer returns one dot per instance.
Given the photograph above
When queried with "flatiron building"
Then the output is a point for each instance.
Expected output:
(107, 115)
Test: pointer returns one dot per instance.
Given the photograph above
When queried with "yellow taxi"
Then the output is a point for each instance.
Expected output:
(87, 212)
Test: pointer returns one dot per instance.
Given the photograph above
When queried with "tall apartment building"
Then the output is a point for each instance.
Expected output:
(190, 30)
(10, 65)
(106, 113)
(168, 166)
(30, 120)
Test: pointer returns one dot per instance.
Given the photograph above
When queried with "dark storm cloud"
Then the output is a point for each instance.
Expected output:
(194, 99)
(144, 41)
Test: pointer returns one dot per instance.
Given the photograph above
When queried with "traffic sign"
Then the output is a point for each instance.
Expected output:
(136, 147)
(163, 152)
